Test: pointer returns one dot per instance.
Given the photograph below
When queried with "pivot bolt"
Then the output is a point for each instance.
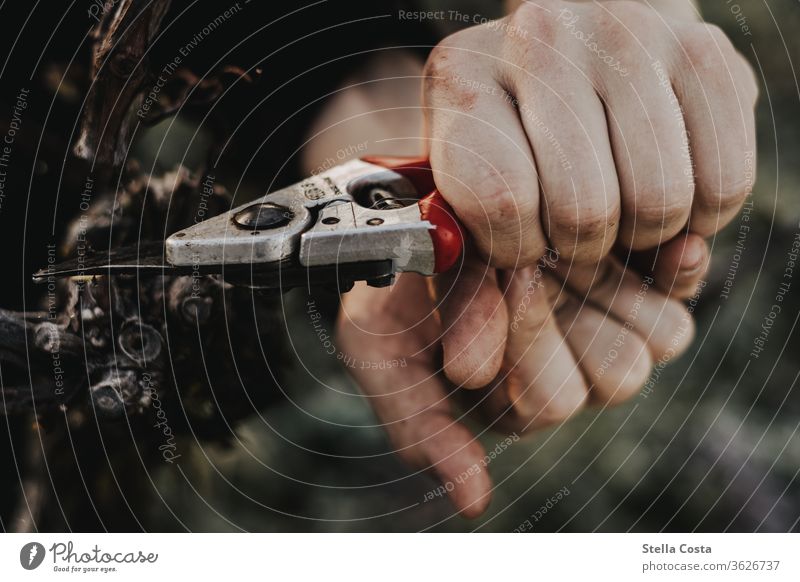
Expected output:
(263, 216)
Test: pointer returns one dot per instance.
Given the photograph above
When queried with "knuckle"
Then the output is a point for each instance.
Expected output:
(539, 15)
(605, 18)
(451, 78)
(716, 35)
(526, 13)
(704, 45)
(500, 201)
(541, 25)
(725, 196)
(629, 9)
(660, 204)
(623, 20)
(572, 227)
(449, 56)
(662, 216)
(501, 214)
(441, 63)
(503, 205)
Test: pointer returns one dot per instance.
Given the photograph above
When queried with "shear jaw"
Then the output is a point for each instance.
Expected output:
(348, 233)
(317, 222)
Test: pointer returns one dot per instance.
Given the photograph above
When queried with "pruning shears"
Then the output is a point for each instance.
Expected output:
(365, 219)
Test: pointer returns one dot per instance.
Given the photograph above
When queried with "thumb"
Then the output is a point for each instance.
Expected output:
(412, 401)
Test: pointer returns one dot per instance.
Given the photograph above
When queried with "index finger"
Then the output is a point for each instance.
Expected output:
(482, 162)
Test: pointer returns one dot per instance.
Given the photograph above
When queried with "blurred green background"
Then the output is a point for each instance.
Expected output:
(713, 447)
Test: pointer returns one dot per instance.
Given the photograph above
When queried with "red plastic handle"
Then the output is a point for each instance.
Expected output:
(448, 236)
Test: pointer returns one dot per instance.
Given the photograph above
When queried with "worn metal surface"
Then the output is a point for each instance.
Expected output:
(324, 226)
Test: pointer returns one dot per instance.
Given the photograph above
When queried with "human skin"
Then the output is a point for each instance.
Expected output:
(543, 147)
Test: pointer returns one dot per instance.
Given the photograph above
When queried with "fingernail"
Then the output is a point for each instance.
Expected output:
(692, 258)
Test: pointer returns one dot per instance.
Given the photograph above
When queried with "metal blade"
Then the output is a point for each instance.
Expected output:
(147, 259)
(147, 256)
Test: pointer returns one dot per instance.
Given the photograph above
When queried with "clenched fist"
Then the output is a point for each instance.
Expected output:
(581, 124)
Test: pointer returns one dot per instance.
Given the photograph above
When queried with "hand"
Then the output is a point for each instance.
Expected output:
(584, 126)
(616, 129)
(574, 123)
(575, 336)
